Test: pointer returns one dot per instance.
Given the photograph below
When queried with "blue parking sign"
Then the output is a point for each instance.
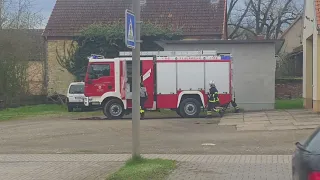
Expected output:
(130, 26)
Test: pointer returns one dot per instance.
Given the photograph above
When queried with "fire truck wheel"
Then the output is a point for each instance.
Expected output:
(190, 108)
(113, 109)
(178, 112)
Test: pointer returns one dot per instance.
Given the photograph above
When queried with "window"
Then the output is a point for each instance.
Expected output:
(313, 143)
(76, 89)
(129, 72)
(99, 70)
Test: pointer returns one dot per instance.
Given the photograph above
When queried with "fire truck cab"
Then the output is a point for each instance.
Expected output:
(176, 80)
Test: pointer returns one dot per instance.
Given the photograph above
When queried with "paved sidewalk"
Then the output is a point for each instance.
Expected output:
(272, 120)
(98, 166)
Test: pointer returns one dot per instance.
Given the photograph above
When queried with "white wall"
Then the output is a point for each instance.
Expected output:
(308, 26)
(309, 29)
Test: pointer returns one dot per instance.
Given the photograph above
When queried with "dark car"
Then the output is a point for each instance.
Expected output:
(306, 159)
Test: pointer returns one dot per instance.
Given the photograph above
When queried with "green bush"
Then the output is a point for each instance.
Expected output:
(109, 40)
(289, 104)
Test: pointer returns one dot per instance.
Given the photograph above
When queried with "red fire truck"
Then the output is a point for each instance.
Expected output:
(176, 80)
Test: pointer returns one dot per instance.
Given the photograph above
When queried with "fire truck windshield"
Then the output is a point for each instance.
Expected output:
(98, 70)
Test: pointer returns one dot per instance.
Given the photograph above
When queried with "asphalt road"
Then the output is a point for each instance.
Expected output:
(164, 136)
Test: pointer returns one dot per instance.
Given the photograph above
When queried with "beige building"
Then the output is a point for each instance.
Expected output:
(292, 36)
(311, 57)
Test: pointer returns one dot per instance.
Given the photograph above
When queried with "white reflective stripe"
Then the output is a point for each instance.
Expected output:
(190, 92)
(146, 75)
(190, 58)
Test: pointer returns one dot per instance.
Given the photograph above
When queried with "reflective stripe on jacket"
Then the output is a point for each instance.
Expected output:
(213, 95)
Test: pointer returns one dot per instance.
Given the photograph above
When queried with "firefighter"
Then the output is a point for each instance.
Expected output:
(143, 98)
(213, 100)
(235, 106)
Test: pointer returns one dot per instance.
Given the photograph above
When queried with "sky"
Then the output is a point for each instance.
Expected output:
(44, 7)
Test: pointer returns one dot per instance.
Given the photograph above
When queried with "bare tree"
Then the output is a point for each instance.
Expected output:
(250, 18)
(19, 14)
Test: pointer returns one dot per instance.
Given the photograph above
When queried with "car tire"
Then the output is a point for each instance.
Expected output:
(190, 108)
(113, 109)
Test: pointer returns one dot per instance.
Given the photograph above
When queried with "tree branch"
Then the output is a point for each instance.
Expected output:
(237, 26)
(231, 6)
(244, 28)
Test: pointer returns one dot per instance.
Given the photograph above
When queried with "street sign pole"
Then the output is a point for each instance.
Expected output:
(1, 11)
(135, 77)
(136, 83)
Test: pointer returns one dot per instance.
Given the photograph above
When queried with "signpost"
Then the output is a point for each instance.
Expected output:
(130, 29)
(1, 8)
(132, 38)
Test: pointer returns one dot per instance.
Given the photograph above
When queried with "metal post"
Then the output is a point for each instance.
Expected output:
(136, 83)
(1, 11)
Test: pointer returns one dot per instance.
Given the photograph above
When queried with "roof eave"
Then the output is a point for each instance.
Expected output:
(210, 41)
(278, 42)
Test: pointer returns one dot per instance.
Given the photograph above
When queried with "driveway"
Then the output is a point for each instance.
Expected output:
(166, 136)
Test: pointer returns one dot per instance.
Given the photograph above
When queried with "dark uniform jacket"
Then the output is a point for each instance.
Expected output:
(213, 95)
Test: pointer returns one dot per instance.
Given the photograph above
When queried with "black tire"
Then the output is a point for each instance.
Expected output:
(178, 112)
(70, 109)
(190, 108)
(113, 109)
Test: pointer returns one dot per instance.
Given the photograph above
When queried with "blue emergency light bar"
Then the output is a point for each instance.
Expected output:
(95, 56)
(226, 58)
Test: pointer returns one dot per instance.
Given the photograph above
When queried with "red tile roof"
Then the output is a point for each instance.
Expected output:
(195, 17)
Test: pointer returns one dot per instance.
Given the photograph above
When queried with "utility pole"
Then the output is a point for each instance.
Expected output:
(1, 11)
(136, 82)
